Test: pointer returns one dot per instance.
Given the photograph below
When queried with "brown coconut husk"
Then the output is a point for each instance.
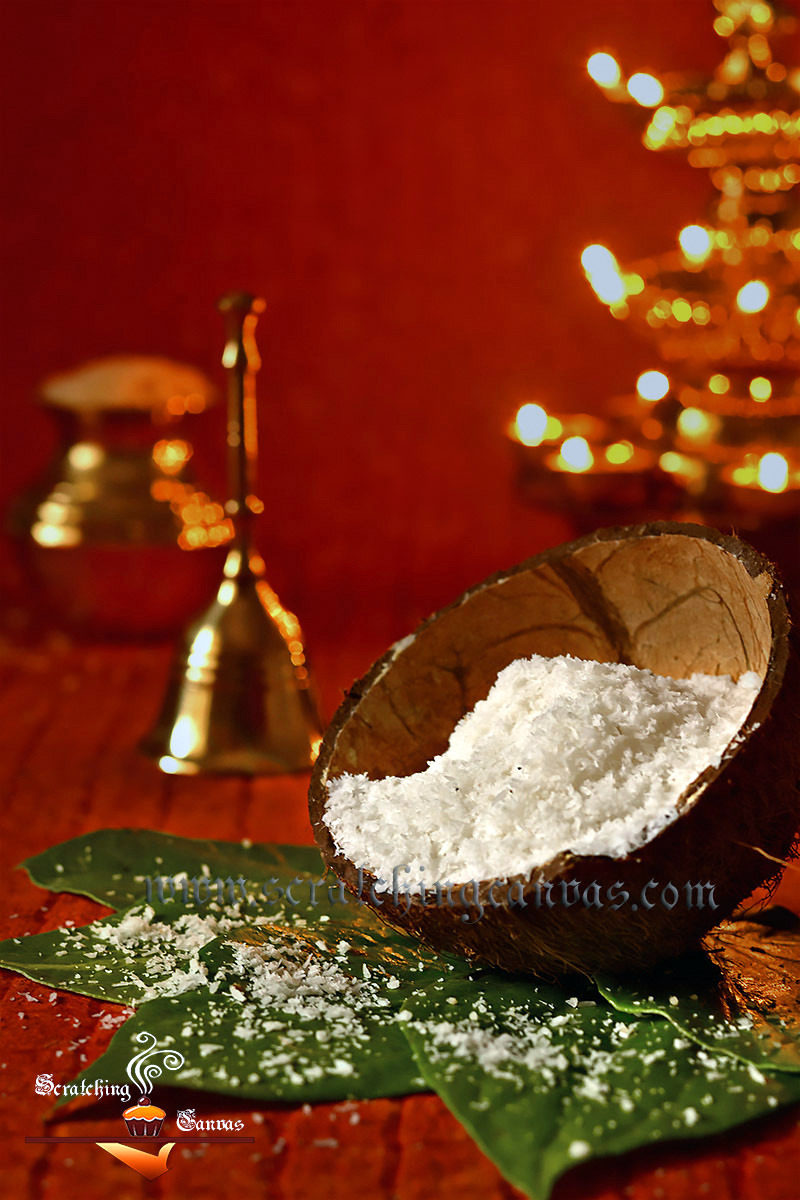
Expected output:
(673, 598)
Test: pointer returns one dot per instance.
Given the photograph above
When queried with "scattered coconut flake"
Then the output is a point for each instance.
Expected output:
(562, 755)
(579, 1149)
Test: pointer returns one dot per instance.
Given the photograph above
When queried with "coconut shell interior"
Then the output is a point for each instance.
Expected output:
(671, 602)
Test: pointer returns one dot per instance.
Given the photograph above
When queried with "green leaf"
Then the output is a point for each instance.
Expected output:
(358, 927)
(686, 994)
(125, 958)
(112, 865)
(541, 1084)
(149, 954)
(307, 995)
(146, 951)
(279, 1021)
(286, 1049)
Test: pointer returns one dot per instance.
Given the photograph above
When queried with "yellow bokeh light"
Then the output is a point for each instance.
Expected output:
(530, 424)
(619, 453)
(171, 455)
(695, 242)
(719, 384)
(694, 423)
(652, 385)
(664, 119)
(576, 455)
(753, 296)
(85, 456)
(734, 70)
(45, 534)
(761, 14)
(604, 70)
(758, 49)
(645, 89)
(681, 310)
(773, 472)
(679, 464)
(760, 388)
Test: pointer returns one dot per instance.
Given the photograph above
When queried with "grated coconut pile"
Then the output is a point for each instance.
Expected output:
(562, 755)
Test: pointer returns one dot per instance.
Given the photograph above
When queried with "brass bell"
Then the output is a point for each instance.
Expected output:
(239, 699)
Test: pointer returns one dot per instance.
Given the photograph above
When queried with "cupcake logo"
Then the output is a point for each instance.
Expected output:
(146, 1119)
(144, 1149)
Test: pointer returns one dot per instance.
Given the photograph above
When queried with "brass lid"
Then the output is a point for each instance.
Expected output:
(129, 382)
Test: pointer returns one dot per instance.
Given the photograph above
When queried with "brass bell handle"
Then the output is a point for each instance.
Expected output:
(240, 311)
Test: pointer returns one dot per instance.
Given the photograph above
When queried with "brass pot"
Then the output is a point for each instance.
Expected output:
(115, 534)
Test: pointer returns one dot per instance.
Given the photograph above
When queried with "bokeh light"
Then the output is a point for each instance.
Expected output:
(760, 389)
(773, 472)
(753, 296)
(531, 423)
(603, 273)
(695, 424)
(645, 89)
(604, 70)
(652, 385)
(576, 454)
(695, 242)
(619, 452)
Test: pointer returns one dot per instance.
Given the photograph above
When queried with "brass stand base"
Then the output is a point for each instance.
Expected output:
(239, 699)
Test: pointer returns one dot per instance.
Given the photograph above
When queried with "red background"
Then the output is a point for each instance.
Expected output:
(409, 182)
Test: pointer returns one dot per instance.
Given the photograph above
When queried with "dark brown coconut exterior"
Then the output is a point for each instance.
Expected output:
(673, 598)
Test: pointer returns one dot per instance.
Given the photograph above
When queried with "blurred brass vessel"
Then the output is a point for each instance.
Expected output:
(118, 509)
(239, 698)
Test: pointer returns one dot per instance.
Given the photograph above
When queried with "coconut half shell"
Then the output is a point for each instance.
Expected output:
(674, 598)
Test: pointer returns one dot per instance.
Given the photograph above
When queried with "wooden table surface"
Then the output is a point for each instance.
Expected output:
(70, 719)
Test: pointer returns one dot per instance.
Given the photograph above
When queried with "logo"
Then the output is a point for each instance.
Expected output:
(145, 1119)
(145, 1149)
